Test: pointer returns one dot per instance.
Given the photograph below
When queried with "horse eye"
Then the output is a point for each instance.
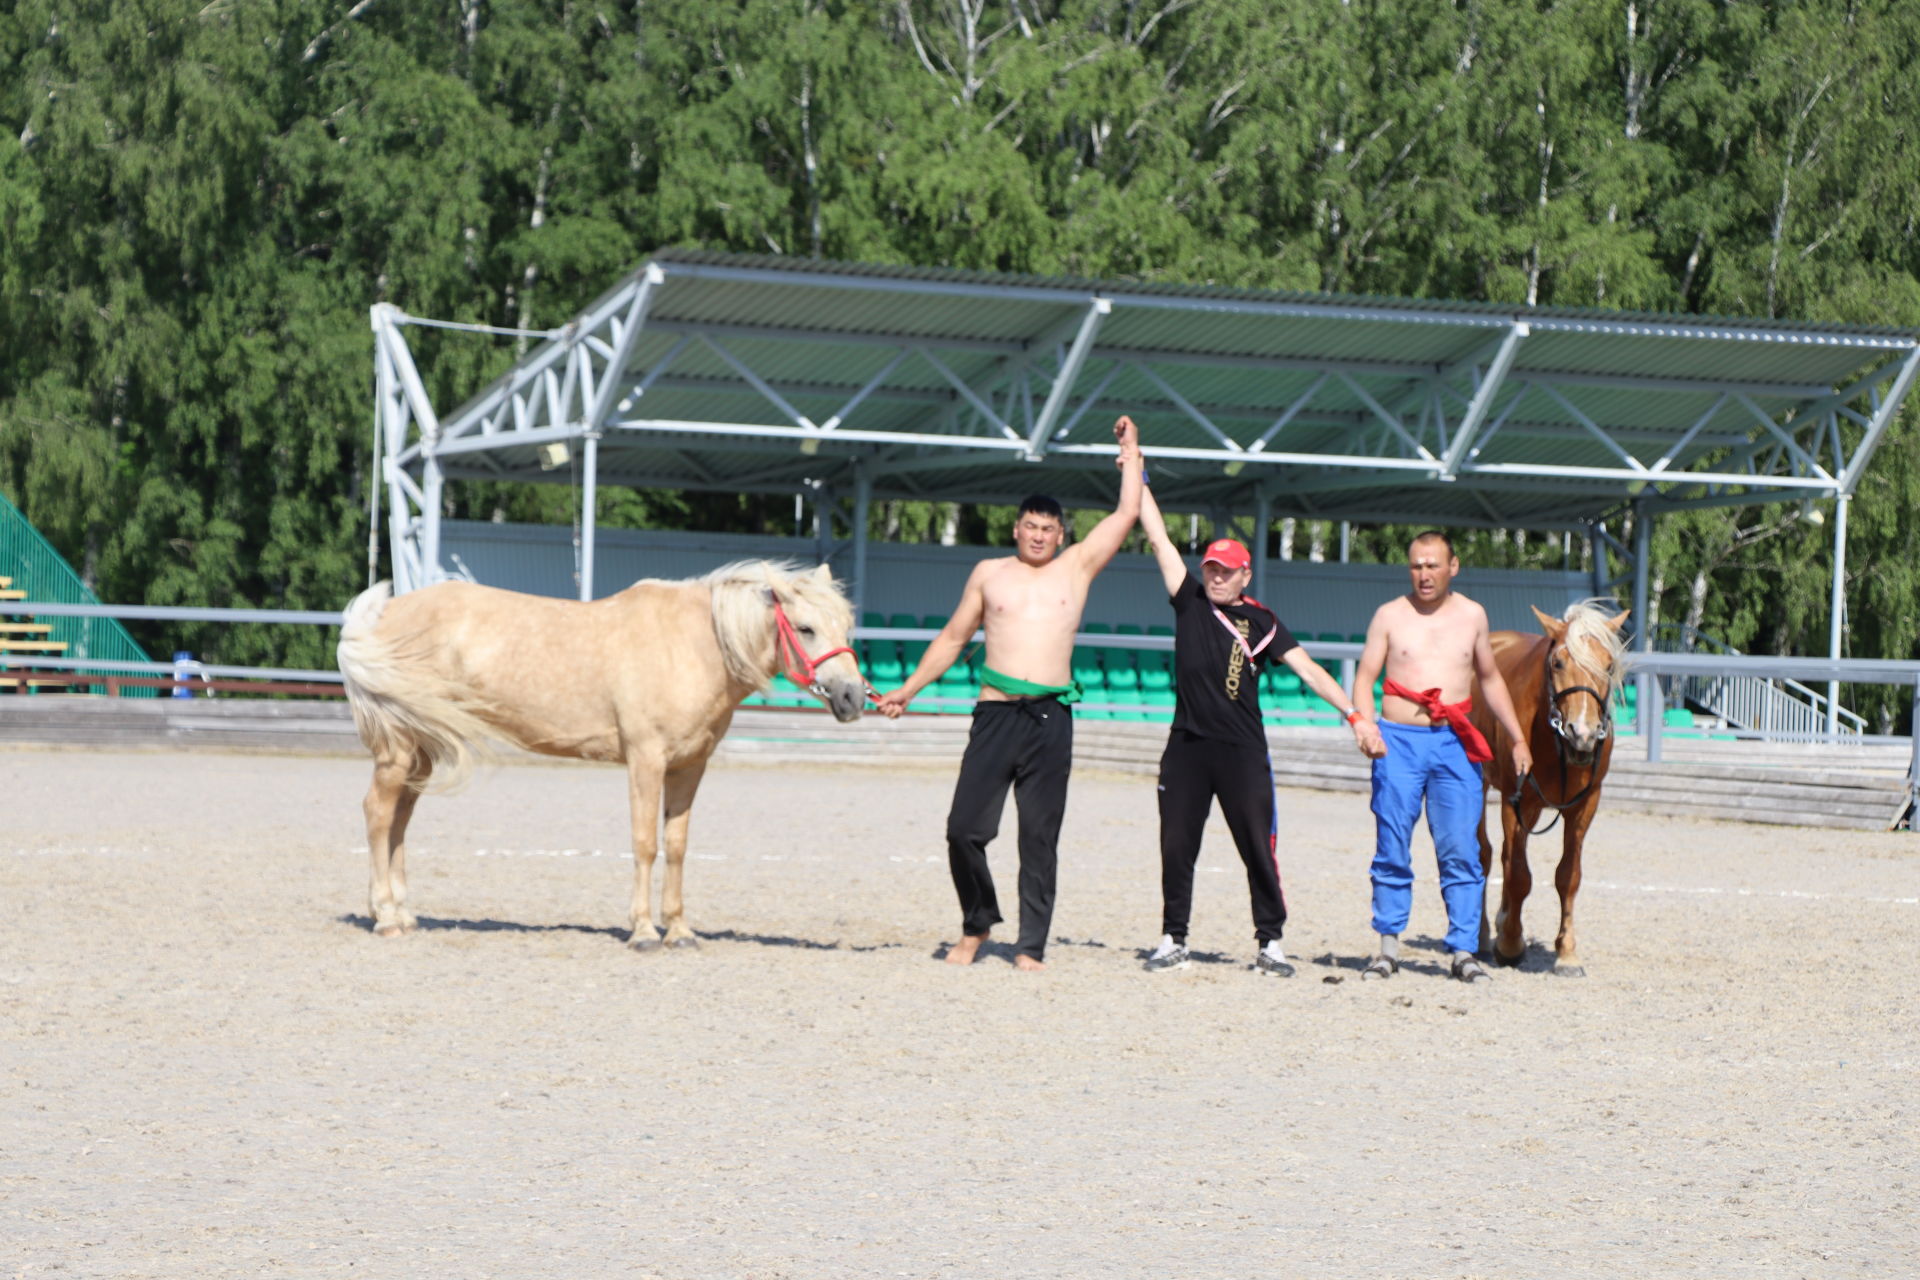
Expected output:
(805, 631)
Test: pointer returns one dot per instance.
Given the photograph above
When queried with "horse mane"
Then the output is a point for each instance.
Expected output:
(1587, 620)
(743, 622)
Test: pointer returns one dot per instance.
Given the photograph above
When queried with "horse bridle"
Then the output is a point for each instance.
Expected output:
(1558, 723)
(797, 665)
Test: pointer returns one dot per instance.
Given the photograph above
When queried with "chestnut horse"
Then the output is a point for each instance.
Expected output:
(649, 678)
(1562, 684)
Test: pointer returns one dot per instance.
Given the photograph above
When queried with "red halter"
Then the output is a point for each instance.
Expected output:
(795, 663)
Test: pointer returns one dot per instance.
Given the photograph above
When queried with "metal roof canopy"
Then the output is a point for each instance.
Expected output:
(737, 373)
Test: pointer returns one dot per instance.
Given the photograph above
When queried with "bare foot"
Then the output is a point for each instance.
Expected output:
(964, 951)
(1027, 962)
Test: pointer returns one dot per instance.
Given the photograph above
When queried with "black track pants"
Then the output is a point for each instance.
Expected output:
(1027, 745)
(1193, 773)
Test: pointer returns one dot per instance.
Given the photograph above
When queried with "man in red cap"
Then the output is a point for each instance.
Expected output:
(1217, 744)
(1431, 643)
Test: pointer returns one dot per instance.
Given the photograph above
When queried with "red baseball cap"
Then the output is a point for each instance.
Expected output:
(1228, 553)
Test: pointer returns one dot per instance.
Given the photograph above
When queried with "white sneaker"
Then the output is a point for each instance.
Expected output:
(1168, 955)
(1271, 959)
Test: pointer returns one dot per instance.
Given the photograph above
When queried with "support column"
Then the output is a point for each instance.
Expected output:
(589, 496)
(401, 547)
(430, 570)
(1597, 558)
(1262, 517)
(822, 522)
(1643, 632)
(1913, 756)
(1837, 615)
(1346, 541)
(862, 509)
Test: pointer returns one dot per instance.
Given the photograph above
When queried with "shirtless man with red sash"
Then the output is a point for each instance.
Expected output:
(1431, 642)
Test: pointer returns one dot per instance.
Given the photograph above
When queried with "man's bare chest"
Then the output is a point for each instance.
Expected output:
(1433, 643)
(1023, 593)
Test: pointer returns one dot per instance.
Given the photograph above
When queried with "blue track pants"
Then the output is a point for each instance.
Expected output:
(1427, 764)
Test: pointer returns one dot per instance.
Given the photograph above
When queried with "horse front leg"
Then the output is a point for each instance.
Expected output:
(388, 808)
(1566, 878)
(1516, 881)
(643, 791)
(681, 786)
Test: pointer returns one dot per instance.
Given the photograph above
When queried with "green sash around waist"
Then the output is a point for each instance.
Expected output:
(1066, 693)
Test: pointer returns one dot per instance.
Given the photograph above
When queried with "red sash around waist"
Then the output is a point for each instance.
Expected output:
(1455, 715)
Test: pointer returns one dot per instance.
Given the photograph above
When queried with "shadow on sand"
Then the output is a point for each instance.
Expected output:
(436, 923)
(430, 924)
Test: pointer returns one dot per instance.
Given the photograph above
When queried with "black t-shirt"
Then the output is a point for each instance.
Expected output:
(1217, 691)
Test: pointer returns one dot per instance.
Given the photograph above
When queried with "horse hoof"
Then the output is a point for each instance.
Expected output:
(1570, 970)
(643, 945)
(688, 943)
(387, 931)
(1506, 960)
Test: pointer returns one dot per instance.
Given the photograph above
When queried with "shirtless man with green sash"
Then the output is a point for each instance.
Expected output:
(1022, 736)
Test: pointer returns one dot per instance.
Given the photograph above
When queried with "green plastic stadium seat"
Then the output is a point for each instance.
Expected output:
(1092, 679)
(880, 661)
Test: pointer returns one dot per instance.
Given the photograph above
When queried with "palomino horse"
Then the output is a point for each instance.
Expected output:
(649, 678)
(1562, 686)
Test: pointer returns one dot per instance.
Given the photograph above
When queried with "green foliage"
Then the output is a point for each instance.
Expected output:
(199, 202)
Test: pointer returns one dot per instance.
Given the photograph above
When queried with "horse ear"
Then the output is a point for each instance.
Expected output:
(1549, 624)
(824, 573)
(1614, 624)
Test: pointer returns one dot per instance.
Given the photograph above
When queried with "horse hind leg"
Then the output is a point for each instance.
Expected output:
(389, 808)
(643, 791)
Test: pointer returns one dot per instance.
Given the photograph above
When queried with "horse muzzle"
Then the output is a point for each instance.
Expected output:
(845, 698)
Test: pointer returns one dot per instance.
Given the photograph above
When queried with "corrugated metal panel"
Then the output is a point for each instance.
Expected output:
(818, 331)
(1205, 293)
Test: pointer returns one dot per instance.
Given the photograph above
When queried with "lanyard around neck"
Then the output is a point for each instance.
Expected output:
(1239, 639)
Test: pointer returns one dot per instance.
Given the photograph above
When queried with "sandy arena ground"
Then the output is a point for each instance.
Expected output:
(209, 1067)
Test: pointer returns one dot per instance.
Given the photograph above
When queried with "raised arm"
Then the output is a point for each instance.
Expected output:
(1493, 687)
(944, 648)
(1173, 569)
(1093, 551)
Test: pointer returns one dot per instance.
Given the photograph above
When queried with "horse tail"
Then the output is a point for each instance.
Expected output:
(401, 705)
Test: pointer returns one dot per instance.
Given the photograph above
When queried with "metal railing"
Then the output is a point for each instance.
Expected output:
(1649, 667)
(1774, 710)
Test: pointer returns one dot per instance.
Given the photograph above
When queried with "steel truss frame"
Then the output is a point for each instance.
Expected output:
(907, 410)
